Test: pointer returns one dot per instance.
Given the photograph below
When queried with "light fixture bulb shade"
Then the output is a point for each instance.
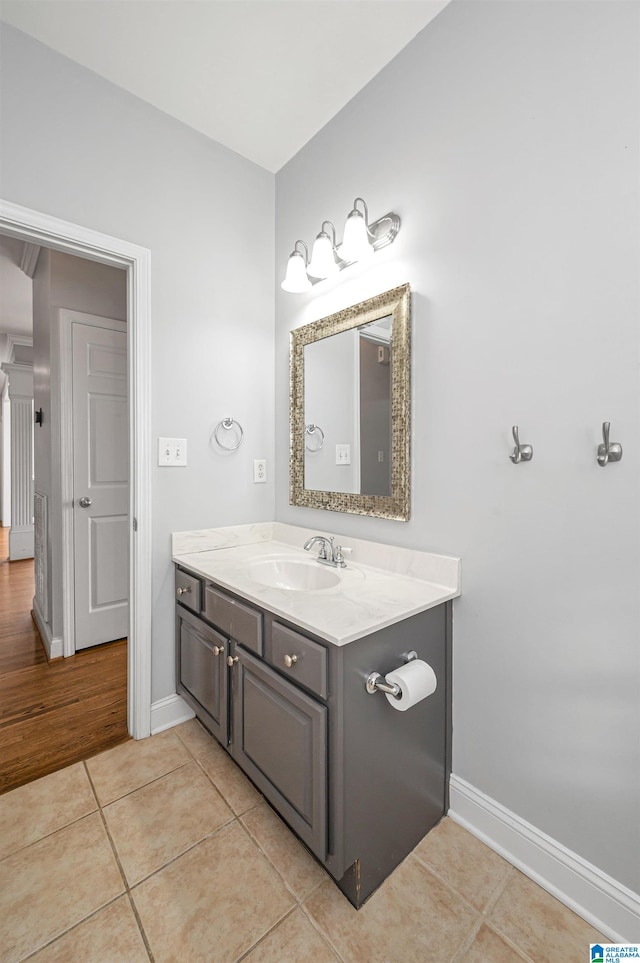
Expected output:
(356, 245)
(296, 280)
(323, 263)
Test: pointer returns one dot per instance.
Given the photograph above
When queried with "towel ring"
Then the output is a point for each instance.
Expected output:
(311, 430)
(227, 424)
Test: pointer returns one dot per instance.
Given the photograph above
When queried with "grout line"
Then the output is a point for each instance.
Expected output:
(506, 939)
(443, 882)
(325, 936)
(75, 926)
(115, 852)
(178, 856)
(264, 936)
(130, 792)
(467, 943)
(134, 910)
(499, 890)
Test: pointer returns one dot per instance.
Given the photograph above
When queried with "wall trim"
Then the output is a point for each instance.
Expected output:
(52, 646)
(169, 712)
(43, 229)
(612, 908)
(29, 259)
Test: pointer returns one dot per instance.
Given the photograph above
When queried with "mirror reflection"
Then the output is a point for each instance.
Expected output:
(348, 429)
(350, 408)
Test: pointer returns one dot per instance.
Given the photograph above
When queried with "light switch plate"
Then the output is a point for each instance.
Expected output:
(172, 452)
(343, 454)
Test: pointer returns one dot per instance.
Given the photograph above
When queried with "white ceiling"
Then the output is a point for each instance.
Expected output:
(259, 76)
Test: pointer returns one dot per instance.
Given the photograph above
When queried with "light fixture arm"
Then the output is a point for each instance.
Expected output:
(306, 251)
(333, 232)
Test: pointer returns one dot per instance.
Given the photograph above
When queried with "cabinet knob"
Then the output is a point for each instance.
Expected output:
(290, 660)
(218, 650)
(184, 591)
(231, 659)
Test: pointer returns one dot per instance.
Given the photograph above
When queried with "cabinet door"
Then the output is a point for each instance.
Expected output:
(202, 672)
(280, 740)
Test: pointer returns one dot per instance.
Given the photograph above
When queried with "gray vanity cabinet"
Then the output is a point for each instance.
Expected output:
(358, 781)
(279, 738)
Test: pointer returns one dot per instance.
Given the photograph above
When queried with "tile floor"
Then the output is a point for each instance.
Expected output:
(161, 850)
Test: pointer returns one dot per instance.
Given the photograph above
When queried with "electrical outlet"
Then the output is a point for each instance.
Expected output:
(380, 457)
(172, 452)
(259, 471)
(343, 454)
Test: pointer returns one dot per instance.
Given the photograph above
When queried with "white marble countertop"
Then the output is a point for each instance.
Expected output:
(368, 597)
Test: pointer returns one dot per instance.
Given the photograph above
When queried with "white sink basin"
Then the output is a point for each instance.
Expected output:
(300, 576)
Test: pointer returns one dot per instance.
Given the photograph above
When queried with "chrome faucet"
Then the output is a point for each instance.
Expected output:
(329, 553)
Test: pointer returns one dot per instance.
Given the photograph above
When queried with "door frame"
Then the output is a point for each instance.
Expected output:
(66, 319)
(43, 229)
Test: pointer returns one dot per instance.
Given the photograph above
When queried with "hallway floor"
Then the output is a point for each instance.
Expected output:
(162, 850)
(51, 713)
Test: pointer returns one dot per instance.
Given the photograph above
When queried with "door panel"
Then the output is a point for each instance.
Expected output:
(100, 482)
(109, 578)
(280, 740)
(201, 671)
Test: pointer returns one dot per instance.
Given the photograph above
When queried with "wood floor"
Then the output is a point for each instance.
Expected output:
(51, 713)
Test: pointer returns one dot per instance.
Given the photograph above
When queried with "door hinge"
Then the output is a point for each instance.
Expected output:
(135, 524)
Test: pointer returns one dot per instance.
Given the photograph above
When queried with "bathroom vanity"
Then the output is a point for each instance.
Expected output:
(278, 675)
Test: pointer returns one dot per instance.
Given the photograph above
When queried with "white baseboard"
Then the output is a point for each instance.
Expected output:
(52, 645)
(169, 712)
(613, 909)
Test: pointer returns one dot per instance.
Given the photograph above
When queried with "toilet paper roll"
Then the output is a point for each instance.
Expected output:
(416, 680)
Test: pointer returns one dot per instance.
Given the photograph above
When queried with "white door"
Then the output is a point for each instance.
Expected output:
(100, 482)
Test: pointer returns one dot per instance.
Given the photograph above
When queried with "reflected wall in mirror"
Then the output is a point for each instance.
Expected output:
(350, 409)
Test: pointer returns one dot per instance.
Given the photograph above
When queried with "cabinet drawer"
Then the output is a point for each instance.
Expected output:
(236, 620)
(299, 658)
(188, 590)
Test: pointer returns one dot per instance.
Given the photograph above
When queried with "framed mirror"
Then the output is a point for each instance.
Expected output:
(350, 409)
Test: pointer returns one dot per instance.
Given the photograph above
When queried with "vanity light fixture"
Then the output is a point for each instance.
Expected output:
(323, 263)
(296, 280)
(360, 242)
(356, 245)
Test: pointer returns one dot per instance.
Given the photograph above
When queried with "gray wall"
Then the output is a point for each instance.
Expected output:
(506, 137)
(77, 147)
(77, 284)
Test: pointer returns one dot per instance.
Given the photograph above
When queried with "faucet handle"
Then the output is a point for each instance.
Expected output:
(338, 555)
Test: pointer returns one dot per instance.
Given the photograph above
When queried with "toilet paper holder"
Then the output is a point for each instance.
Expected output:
(377, 683)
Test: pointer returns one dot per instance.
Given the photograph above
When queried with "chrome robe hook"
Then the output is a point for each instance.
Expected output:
(608, 451)
(520, 452)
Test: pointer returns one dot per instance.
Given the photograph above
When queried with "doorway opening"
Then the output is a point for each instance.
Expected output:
(39, 229)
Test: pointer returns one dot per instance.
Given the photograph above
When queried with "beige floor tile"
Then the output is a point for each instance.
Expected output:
(541, 925)
(54, 884)
(214, 902)
(411, 917)
(44, 806)
(462, 861)
(488, 947)
(133, 764)
(229, 779)
(293, 941)
(195, 736)
(111, 936)
(158, 822)
(299, 870)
